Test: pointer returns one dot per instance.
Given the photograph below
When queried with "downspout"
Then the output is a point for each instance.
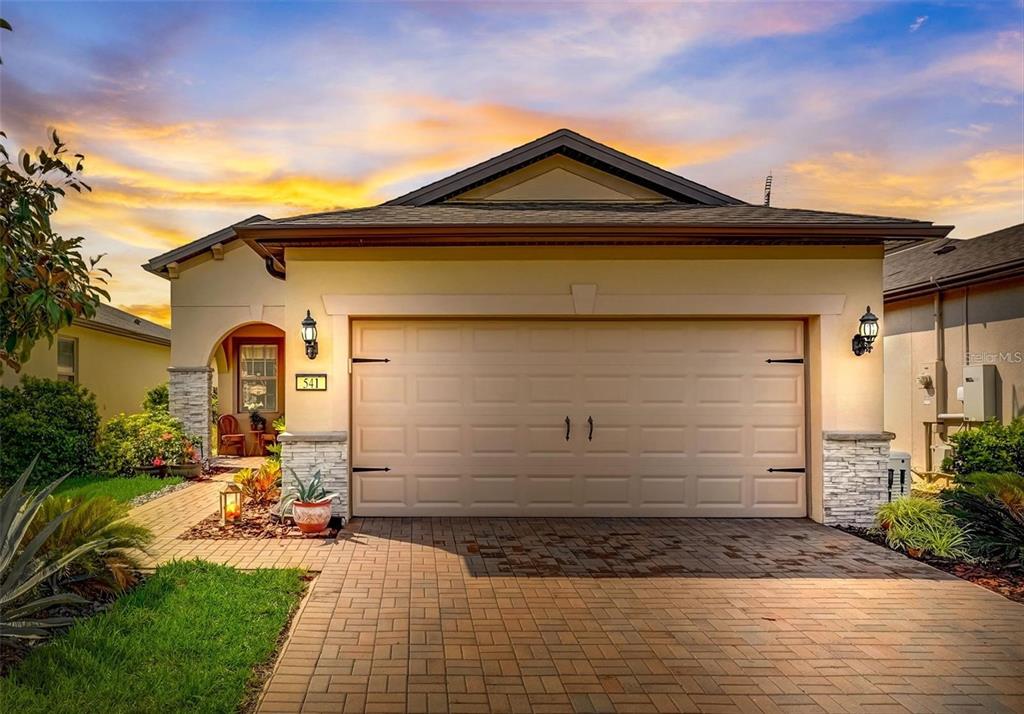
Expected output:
(967, 335)
(940, 369)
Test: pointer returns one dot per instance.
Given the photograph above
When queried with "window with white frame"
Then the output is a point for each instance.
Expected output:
(67, 359)
(257, 370)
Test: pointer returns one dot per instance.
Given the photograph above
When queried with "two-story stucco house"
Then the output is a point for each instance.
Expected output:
(561, 330)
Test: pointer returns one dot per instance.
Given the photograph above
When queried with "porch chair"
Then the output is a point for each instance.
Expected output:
(229, 436)
(266, 440)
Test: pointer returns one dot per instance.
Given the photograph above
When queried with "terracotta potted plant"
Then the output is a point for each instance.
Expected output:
(184, 459)
(311, 504)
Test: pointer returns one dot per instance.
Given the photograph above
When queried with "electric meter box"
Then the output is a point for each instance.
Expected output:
(979, 392)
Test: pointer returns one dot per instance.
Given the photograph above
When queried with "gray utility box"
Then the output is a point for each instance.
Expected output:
(900, 481)
(979, 392)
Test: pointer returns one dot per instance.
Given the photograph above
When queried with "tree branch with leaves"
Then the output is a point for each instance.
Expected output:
(45, 283)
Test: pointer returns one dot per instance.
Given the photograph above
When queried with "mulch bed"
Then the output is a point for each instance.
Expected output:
(1008, 582)
(257, 522)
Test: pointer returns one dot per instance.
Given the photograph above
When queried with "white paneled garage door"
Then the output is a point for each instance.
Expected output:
(673, 418)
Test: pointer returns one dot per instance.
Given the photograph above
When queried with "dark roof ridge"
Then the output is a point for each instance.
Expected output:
(564, 141)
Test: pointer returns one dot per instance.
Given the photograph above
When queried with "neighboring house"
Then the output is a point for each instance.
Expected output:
(950, 304)
(116, 355)
(562, 330)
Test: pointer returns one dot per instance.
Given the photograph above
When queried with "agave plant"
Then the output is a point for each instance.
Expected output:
(312, 491)
(21, 571)
(112, 566)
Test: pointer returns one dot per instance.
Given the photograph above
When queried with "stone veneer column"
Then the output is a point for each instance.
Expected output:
(855, 474)
(190, 389)
(303, 455)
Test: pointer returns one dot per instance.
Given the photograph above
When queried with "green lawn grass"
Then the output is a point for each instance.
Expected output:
(188, 640)
(119, 488)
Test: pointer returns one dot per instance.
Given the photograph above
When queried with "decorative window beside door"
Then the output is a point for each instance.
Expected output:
(257, 369)
(67, 359)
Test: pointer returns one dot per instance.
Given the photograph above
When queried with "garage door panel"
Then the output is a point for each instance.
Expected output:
(470, 417)
(438, 440)
(438, 389)
(495, 389)
(552, 389)
(493, 440)
(555, 490)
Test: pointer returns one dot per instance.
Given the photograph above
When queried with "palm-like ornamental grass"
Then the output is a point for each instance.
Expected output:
(21, 571)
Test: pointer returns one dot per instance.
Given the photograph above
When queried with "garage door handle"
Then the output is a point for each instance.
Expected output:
(590, 435)
(788, 471)
(568, 428)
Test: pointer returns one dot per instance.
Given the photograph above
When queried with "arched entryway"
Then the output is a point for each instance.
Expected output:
(248, 376)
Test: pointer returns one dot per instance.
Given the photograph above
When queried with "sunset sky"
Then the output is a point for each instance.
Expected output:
(195, 115)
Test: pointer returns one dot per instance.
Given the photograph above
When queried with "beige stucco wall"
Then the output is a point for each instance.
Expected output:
(118, 370)
(994, 333)
(211, 297)
(829, 287)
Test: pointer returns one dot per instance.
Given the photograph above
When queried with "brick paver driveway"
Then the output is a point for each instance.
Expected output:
(560, 615)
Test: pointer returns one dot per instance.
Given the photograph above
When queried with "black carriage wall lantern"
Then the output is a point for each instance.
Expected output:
(866, 334)
(309, 336)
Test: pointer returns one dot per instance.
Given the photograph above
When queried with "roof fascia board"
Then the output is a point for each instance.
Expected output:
(972, 277)
(121, 332)
(224, 236)
(268, 234)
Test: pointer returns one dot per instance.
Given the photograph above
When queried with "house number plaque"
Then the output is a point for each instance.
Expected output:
(311, 382)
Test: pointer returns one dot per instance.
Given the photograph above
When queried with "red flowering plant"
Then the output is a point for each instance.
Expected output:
(180, 448)
(131, 441)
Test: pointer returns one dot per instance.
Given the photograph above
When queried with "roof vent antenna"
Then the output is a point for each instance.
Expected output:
(768, 189)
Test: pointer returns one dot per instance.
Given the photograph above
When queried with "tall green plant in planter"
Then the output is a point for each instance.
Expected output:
(58, 422)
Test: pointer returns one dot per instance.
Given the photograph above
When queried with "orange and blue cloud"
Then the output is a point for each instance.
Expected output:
(193, 116)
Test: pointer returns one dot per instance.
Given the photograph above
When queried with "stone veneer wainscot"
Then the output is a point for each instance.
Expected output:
(326, 452)
(189, 393)
(855, 474)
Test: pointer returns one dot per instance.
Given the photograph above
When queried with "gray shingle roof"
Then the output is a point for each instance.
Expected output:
(159, 264)
(954, 262)
(113, 320)
(577, 213)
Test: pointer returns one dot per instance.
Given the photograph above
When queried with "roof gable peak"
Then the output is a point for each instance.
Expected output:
(573, 145)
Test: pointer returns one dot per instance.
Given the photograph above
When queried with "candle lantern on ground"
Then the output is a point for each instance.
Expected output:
(230, 505)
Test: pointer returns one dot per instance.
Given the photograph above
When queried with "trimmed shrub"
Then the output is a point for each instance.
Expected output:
(988, 448)
(58, 421)
(157, 399)
(129, 441)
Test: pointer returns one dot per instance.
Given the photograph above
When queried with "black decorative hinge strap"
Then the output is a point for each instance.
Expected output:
(789, 471)
(362, 360)
(791, 360)
(364, 469)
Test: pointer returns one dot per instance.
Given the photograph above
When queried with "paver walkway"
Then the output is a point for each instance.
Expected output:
(580, 615)
(619, 615)
(171, 515)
